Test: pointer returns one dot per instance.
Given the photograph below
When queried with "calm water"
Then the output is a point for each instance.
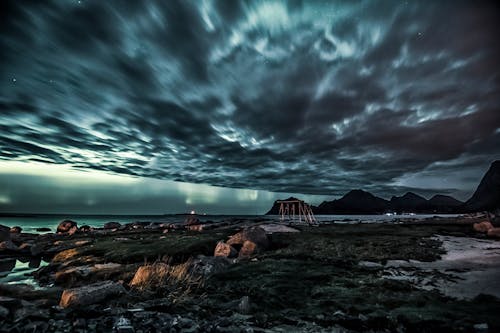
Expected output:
(32, 222)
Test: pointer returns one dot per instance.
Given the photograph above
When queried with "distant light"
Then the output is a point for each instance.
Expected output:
(193, 212)
(14, 80)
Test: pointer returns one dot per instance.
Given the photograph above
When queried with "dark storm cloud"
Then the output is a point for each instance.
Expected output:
(305, 97)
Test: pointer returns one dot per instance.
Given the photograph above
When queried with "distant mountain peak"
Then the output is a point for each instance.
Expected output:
(487, 194)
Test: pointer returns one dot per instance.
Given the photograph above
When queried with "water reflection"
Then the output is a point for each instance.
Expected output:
(18, 271)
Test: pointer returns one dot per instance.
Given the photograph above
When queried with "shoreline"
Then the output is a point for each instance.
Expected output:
(333, 276)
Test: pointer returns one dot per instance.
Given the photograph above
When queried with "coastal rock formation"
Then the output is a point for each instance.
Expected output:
(67, 226)
(225, 250)
(487, 195)
(16, 230)
(250, 241)
(90, 294)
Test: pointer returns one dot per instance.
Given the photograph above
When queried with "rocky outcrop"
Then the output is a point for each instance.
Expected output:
(225, 250)
(250, 241)
(16, 230)
(67, 226)
(487, 195)
(90, 294)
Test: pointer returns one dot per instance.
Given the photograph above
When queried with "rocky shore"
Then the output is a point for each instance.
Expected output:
(241, 276)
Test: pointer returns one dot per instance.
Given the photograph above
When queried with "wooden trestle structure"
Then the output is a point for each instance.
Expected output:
(296, 209)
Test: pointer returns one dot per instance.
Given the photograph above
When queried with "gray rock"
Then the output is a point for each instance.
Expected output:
(206, 266)
(4, 233)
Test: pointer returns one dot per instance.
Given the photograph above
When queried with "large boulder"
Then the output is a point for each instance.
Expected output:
(85, 228)
(67, 226)
(68, 276)
(482, 226)
(250, 241)
(16, 230)
(225, 250)
(4, 233)
(256, 235)
(90, 294)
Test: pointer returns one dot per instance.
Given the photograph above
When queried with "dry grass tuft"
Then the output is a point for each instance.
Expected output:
(178, 279)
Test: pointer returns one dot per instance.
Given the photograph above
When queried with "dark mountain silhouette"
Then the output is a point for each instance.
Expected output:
(276, 207)
(487, 195)
(444, 204)
(410, 202)
(358, 201)
(486, 198)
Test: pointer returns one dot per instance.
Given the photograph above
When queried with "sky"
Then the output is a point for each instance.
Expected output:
(225, 106)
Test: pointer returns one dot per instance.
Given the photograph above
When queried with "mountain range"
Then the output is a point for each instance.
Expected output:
(485, 198)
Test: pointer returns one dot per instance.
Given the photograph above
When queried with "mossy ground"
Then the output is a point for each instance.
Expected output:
(309, 277)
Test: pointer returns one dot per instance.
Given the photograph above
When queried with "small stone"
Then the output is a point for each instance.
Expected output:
(481, 328)
(123, 325)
